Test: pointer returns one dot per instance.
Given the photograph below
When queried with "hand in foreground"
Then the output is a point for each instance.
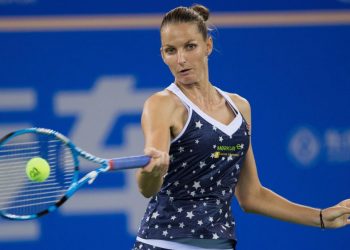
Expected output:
(159, 163)
(337, 216)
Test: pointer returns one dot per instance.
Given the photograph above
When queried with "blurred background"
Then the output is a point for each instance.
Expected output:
(85, 68)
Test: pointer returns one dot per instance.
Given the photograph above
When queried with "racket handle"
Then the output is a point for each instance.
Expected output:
(129, 162)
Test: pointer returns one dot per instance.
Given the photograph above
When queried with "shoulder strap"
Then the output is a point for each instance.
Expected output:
(175, 89)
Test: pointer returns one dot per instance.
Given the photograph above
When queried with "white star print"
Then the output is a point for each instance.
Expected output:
(229, 158)
(202, 164)
(199, 124)
(212, 155)
(179, 210)
(211, 219)
(196, 185)
(182, 225)
(181, 149)
(184, 164)
(212, 166)
(155, 215)
(215, 236)
(193, 193)
(196, 141)
(202, 191)
(165, 233)
(176, 183)
(189, 215)
(200, 222)
(156, 226)
(168, 192)
(218, 183)
(214, 128)
(214, 146)
(221, 139)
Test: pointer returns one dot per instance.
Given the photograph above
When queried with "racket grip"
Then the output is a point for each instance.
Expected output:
(129, 162)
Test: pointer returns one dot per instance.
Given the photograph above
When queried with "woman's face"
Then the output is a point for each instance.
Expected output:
(185, 52)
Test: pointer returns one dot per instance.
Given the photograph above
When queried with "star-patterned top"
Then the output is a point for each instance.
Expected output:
(205, 162)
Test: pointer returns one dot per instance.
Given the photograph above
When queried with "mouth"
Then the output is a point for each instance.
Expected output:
(184, 71)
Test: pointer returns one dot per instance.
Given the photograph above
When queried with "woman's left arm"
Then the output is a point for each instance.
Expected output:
(255, 198)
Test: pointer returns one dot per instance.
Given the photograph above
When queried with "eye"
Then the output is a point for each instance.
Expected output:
(170, 50)
(191, 46)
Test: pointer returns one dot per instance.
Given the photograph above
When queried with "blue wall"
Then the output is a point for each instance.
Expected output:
(296, 77)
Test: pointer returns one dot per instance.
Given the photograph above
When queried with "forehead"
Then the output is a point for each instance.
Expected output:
(174, 33)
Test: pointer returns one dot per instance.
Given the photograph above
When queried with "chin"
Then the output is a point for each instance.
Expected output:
(186, 81)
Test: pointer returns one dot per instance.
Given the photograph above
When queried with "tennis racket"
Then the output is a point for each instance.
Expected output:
(22, 198)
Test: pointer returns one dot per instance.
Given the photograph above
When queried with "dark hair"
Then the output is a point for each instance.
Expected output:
(197, 14)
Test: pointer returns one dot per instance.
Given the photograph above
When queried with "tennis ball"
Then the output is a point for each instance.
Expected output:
(38, 169)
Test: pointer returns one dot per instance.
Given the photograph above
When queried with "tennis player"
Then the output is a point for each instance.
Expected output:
(199, 140)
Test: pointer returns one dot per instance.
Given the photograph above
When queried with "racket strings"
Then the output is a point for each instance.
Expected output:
(18, 194)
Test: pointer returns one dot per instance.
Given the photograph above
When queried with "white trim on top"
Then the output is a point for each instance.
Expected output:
(189, 111)
(229, 129)
(172, 245)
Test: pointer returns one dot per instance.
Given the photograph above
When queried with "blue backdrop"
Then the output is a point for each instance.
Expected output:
(90, 84)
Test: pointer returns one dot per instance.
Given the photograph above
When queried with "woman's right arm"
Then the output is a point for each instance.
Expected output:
(156, 124)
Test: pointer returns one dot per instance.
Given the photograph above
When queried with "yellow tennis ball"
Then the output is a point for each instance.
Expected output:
(38, 169)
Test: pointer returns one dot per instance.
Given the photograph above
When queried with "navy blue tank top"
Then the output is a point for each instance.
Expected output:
(205, 161)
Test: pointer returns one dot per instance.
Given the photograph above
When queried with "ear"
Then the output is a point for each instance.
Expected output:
(209, 45)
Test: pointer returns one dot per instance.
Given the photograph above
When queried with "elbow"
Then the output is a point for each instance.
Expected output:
(147, 194)
(149, 191)
(249, 201)
(245, 205)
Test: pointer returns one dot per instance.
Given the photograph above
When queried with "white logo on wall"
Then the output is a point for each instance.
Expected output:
(307, 147)
(96, 111)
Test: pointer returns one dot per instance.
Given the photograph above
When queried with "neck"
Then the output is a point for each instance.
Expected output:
(203, 94)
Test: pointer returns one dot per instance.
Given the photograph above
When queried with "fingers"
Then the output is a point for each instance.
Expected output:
(154, 153)
(159, 162)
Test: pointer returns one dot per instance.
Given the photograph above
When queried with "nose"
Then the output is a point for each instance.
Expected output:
(181, 57)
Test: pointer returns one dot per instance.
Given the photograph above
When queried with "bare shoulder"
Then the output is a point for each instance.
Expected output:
(242, 104)
(162, 103)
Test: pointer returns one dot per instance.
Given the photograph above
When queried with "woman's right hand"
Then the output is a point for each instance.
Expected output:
(158, 166)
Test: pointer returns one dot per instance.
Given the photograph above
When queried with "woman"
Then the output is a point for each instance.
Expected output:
(199, 139)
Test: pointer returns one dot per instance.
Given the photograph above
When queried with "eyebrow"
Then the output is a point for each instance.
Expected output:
(169, 45)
